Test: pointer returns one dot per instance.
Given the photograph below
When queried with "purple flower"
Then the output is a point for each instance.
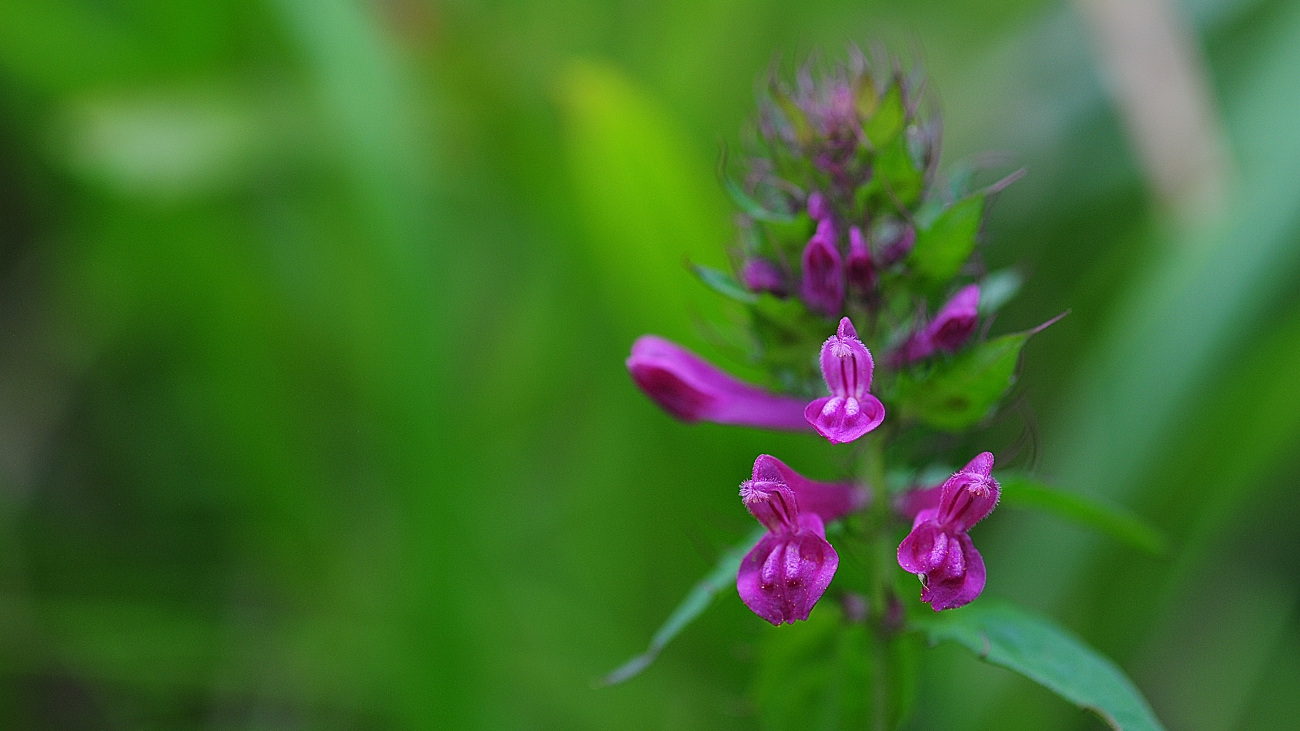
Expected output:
(818, 209)
(901, 246)
(850, 411)
(784, 575)
(761, 275)
(822, 287)
(860, 272)
(938, 549)
(692, 389)
(949, 330)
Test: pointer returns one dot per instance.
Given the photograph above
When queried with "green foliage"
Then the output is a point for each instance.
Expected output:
(896, 182)
(944, 244)
(1022, 492)
(722, 577)
(1033, 646)
(959, 392)
(751, 207)
(886, 123)
(822, 675)
(724, 284)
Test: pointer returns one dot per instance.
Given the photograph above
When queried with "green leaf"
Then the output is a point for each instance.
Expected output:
(724, 284)
(998, 288)
(751, 207)
(888, 119)
(822, 675)
(896, 179)
(693, 605)
(943, 246)
(1022, 492)
(1035, 647)
(958, 393)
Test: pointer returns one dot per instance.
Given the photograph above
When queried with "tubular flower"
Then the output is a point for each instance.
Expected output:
(939, 550)
(859, 269)
(950, 328)
(787, 572)
(850, 411)
(761, 275)
(822, 286)
(692, 389)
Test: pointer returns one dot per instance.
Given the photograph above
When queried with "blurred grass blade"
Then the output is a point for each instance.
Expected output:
(647, 200)
(1033, 646)
(697, 600)
(1022, 492)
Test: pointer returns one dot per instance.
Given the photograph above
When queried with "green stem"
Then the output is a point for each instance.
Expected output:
(879, 556)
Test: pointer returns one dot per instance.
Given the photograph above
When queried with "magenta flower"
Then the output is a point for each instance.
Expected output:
(859, 270)
(949, 330)
(787, 572)
(850, 411)
(692, 389)
(761, 275)
(901, 246)
(939, 550)
(822, 286)
(818, 208)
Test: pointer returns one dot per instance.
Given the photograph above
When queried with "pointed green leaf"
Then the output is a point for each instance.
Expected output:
(943, 246)
(751, 207)
(724, 284)
(960, 392)
(1038, 649)
(997, 289)
(888, 119)
(1022, 492)
(693, 605)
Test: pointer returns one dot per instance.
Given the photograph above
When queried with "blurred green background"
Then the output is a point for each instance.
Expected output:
(312, 318)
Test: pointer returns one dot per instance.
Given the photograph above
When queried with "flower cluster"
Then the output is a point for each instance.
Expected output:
(848, 239)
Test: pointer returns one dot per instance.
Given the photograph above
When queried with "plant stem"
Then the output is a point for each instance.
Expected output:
(877, 535)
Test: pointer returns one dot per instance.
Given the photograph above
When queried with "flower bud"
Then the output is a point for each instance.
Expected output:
(822, 286)
(692, 389)
(761, 275)
(859, 270)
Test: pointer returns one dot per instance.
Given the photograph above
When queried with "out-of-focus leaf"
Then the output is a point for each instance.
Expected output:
(751, 207)
(997, 289)
(789, 236)
(958, 393)
(724, 284)
(821, 674)
(888, 120)
(943, 246)
(693, 605)
(1022, 492)
(1038, 649)
(895, 178)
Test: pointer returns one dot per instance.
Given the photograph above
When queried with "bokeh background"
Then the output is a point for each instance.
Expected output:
(312, 318)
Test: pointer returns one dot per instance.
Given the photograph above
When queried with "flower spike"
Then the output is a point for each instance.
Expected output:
(850, 411)
(939, 550)
(692, 389)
